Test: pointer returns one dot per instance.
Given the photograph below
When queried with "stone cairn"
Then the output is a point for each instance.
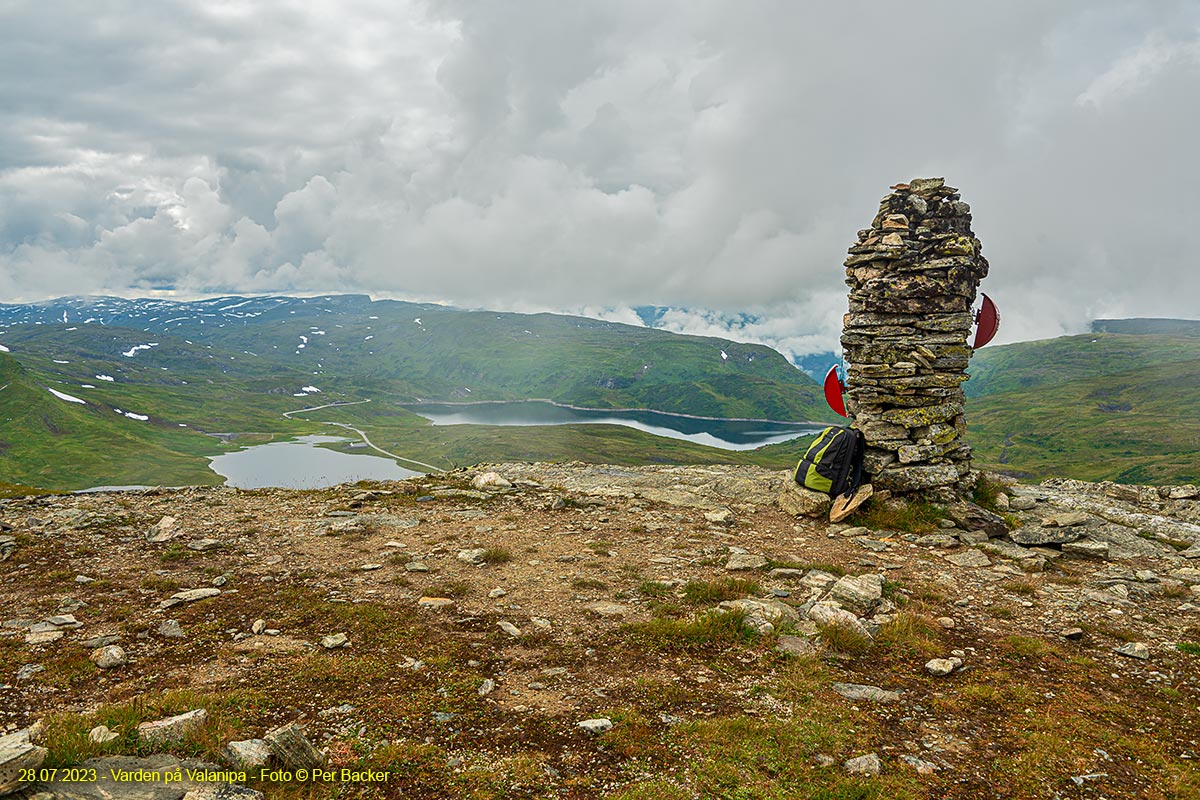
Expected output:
(913, 276)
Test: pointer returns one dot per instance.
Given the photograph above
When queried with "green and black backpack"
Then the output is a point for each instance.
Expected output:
(833, 464)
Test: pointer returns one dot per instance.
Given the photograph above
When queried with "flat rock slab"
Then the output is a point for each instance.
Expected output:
(1137, 650)
(797, 646)
(1032, 535)
(17, 754)
(968, 558)
(1066, 519)
(744, 561)
(150, 778)
(607, 609)
(189, 596)
(863, 693)
(171, 728)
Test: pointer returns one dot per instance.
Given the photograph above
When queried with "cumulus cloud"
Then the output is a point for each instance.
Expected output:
(555, 155)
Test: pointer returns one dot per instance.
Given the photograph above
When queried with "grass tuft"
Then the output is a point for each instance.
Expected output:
(716, 591)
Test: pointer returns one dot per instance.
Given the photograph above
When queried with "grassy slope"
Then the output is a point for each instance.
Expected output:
(55, 444)
(1099, 407)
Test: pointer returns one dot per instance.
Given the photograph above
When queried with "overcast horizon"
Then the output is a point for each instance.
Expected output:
(590, 158)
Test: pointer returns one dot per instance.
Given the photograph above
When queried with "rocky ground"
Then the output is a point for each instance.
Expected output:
(535, 630)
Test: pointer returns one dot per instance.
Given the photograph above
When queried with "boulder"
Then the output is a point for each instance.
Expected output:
(18, 754)
(172, 728)
(858, 593)
(831, 615)
(971, 517)
(798, 501)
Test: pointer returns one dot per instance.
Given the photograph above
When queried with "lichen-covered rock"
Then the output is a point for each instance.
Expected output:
(18, 755)
(172, 728)
(971, 517)
(858, 593)
(798, 501)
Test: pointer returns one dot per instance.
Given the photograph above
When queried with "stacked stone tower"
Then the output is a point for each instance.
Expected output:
(913, 276)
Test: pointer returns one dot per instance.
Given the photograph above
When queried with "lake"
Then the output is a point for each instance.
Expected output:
(727, 434)
(302, 464)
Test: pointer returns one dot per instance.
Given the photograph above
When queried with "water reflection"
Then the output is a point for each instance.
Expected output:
(727, 434)
(301, 464)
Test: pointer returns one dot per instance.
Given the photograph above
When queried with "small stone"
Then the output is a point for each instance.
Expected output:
(292, 749)
(1022, 503)
(200, 545)
(474, 556)
(497, 592)
(509, 628)
(109, 657)
(84, 579)
(745, 561)
(258, 627)
(220, 580)
(922, 767)
(863, 693)
(28, 671)
(1086, 547)
(435, 603)
(830, 614)
(599, 725)
(722, 516)
(968, 558)
(1137, 650)
(189, 596)
(172, 728)
(171, 629)
(486, 687)
(334, 641)
(416, 566)
(490, 481)
(164, 531)
(1074, 634)
(1066, 519)
(370, 567)
(940, 667)
(247, 754)
(946, 622)
(863, 765)
(541, 622)
(607, 609)
(796, 646)
(101, 735)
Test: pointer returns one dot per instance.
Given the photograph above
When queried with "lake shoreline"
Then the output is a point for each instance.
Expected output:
(422, 402)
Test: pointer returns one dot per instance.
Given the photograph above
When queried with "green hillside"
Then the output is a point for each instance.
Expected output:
(54, 443)
(1103, 406)
(200, 375)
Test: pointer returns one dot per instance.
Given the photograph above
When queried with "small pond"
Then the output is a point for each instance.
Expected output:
(302, 464)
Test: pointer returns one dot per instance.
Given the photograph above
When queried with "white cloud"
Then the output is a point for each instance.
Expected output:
(560, 156)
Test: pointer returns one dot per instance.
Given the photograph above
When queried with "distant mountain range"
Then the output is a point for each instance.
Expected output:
(117, 391)
(113, 390)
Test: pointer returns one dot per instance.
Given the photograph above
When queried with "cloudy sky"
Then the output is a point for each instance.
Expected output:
(592, 156)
